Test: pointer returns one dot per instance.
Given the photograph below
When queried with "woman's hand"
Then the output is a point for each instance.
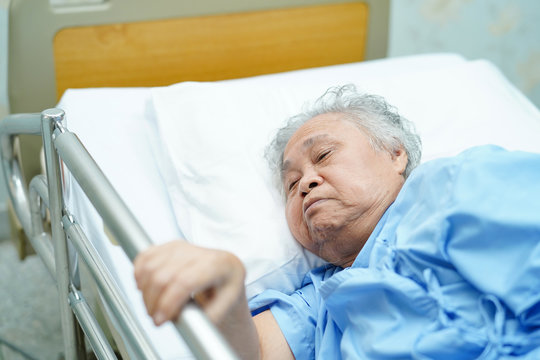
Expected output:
(171, 274)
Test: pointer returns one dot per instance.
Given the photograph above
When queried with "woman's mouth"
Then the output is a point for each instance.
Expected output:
(311, 204)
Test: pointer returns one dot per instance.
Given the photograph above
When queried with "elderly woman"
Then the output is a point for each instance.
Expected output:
(444, 263)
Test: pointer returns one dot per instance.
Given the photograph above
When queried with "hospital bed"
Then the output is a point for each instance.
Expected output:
(186, 161)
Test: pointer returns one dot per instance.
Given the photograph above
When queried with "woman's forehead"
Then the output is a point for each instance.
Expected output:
(306, 144)
(323, 127)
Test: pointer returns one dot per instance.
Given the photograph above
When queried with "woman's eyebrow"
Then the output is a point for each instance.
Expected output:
(312, 140)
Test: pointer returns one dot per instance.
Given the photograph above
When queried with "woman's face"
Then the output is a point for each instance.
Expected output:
(337, 186)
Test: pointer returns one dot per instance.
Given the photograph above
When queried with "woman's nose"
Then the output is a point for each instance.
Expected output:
(309, 183)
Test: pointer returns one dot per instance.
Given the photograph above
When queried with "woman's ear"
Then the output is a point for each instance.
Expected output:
(400, 160)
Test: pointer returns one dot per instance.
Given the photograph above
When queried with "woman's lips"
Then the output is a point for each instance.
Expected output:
(311, 204)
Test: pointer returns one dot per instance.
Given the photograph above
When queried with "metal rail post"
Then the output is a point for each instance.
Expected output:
(73, 341)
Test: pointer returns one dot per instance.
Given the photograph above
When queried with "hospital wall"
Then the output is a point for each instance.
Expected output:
(506, 32)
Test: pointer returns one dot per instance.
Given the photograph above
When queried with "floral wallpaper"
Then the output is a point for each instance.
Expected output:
(506, 32)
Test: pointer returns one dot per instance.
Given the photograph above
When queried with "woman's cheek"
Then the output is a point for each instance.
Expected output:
(295, 221)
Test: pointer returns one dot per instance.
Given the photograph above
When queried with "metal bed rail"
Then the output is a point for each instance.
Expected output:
(61, 145)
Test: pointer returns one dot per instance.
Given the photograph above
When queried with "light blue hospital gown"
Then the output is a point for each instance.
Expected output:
(451, 271)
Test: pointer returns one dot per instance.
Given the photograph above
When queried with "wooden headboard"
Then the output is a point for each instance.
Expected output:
(161, 42)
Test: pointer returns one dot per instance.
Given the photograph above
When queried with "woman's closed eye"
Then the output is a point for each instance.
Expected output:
(292, 184)
(323, 155)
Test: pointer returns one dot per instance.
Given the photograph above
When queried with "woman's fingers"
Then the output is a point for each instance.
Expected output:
(168, 275)
(218, 306)
(153, 275)
(226, 295)
(169, 303)
(147, 263)
(209, 282)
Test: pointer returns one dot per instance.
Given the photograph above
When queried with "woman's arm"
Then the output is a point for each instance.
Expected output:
(171, 274)
(273, 344)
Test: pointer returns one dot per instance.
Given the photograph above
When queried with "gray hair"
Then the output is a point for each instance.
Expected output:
(386, 129)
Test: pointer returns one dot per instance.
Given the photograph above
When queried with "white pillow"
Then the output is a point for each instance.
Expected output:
(222, 191)
(215, 133)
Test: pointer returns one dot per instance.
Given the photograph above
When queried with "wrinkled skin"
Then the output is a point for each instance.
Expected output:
(337, 186)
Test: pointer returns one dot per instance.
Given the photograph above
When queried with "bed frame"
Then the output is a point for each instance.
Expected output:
(143, 43)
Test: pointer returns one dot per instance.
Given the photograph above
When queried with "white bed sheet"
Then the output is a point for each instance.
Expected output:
(119, 129)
